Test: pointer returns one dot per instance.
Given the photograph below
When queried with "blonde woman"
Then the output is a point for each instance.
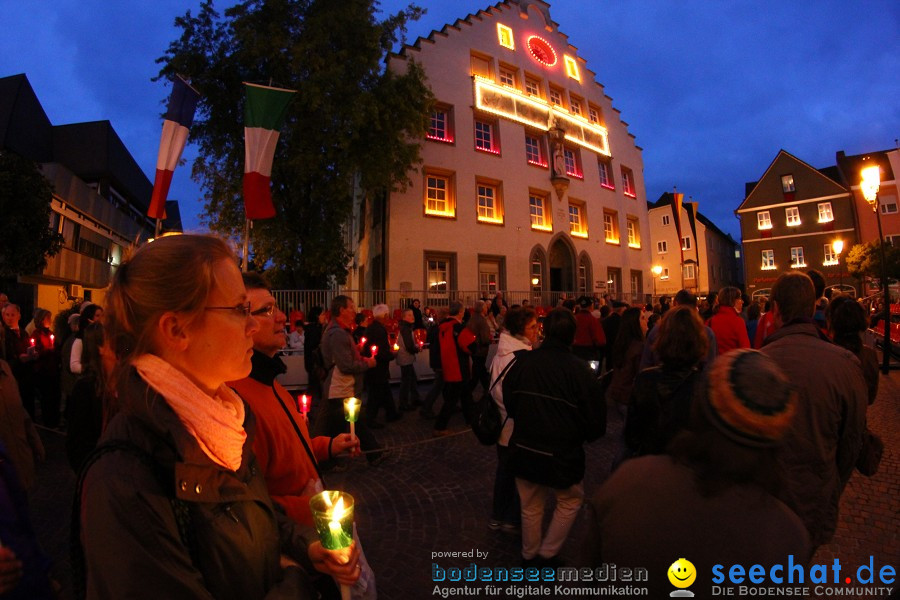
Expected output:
(179, 508)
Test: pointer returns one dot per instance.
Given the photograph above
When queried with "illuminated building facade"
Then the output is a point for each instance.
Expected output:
(530, 181)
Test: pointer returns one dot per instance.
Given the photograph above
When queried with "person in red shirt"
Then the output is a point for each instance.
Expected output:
(590, 341)
(727, 324)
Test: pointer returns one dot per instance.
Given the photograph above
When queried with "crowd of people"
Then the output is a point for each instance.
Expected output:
(742, 424)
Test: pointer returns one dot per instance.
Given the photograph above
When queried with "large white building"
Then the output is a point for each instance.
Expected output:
(530, 180)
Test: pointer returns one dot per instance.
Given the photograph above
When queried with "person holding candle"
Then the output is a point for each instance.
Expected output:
(407, 348)
(377, 379)
(46, 368)
(344, 366)
(20, 353)
(173, 502)
(287, 455)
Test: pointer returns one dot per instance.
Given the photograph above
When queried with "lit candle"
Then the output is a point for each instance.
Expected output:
(52, 337)
(333, 518)
(351, 414)
(396, 347)
(304, 406)
(362, 341)
(32, 342)
(374, 350)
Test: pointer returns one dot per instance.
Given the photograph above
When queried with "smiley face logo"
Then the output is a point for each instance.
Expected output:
(682, 573)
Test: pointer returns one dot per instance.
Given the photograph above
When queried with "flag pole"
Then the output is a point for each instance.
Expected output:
(158, 228)
(246, 261)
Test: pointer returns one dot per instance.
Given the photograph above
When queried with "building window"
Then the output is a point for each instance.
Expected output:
(555, 97)
(440, 125)
(893, 240)
(634, 238)
(830, 256)
(686, 243)
(665, 219)
(606, 179)
(439, 196)
(614, 281)
(489, 209)
(689, 272)
(662, 247)
(594, 115)
(481, 66)
(797, 261)
(825, 214)
(572, 67)
(507, 77)
(573, 168)
(532, 87)
(792, 214)
(575, 106)
(888, 204)
(537, 276)
(540, 217)
(628, 182)
(787, 183)
(664, 275)
(577, 222)
(763, 220)
(486, 137)
(534, 151)
(768, 260)
(437, 273)
(610, 228)
(505, 36)
(637, 284)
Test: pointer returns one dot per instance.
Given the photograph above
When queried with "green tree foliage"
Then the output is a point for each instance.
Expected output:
(353, 122)
(25, 236)
(864, 260)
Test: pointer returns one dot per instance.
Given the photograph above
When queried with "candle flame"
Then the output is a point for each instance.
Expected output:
(338, 513)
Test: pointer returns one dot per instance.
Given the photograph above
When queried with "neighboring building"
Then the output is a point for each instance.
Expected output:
(100, 196)
(711, 256)
(850, 168)
(530, 180)
(790, 219)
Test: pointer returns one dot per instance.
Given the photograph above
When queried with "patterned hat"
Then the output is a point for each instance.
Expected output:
(750, 399)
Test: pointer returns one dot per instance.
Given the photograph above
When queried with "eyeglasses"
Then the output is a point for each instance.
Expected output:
(241, 309)
(267, 310)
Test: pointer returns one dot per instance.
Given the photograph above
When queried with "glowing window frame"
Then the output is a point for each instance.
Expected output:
(577, 221)
(763, 220)
(449, 210)
(829, 255)
(539, 147)
(798, 260)
(491, 203)
(545, 224)
(768, 260)
(572, 67)
(482, 84)
(448, 134)
(610, 230)
(634, 235)
(505, 36)
(537, 40)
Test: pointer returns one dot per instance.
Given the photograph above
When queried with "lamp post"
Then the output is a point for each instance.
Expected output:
(838, 247)
(871, 181)
(656, 270)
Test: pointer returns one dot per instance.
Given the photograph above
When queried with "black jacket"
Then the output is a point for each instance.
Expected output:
(557, 405)
(130, 536)
(660, 407)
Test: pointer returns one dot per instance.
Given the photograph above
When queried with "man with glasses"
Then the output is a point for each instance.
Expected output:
(344, 367)
(288, 457)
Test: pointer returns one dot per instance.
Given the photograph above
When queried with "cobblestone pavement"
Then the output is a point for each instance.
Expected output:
(434, 495)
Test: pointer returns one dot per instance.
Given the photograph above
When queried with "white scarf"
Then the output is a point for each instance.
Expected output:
(216, 422)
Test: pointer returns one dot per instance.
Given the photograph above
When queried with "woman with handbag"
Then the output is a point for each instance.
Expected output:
(520, 334)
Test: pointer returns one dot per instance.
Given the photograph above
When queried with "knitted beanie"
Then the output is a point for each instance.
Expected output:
(750, 399)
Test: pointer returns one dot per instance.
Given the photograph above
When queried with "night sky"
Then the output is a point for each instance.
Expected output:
(711, 90)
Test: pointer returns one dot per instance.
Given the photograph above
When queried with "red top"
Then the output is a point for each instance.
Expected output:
(730, 330)
(588, 331)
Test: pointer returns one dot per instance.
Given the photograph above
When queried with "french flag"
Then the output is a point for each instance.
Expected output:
(177, 124)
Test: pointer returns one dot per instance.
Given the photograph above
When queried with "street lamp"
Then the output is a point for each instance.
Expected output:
(657, 271)
(838, 247)
(871, 181)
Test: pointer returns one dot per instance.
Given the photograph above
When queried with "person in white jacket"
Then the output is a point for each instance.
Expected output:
(90, 313)
(520, 333)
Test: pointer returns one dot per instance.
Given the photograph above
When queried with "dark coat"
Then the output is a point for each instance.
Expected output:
(557, 405)
(377, 335)
(660, 407)
(130, 536)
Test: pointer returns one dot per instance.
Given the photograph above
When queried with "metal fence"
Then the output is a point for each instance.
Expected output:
(304, 300)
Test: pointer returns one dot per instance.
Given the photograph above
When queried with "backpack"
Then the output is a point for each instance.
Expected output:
(486, 424)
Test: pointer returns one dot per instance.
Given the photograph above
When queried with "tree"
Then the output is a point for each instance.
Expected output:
(25, 198)
(864, 260)
(353, 121)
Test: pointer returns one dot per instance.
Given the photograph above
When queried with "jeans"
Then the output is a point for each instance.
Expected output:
(408, 389)
(480, 374)
(506, 506)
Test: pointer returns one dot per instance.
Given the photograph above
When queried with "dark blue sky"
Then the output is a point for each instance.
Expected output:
(710, 90)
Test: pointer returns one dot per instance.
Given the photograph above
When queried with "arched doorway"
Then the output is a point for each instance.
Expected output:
(562, 265)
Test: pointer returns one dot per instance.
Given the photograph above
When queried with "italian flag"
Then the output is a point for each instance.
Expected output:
(176, 126)
(263, 117)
